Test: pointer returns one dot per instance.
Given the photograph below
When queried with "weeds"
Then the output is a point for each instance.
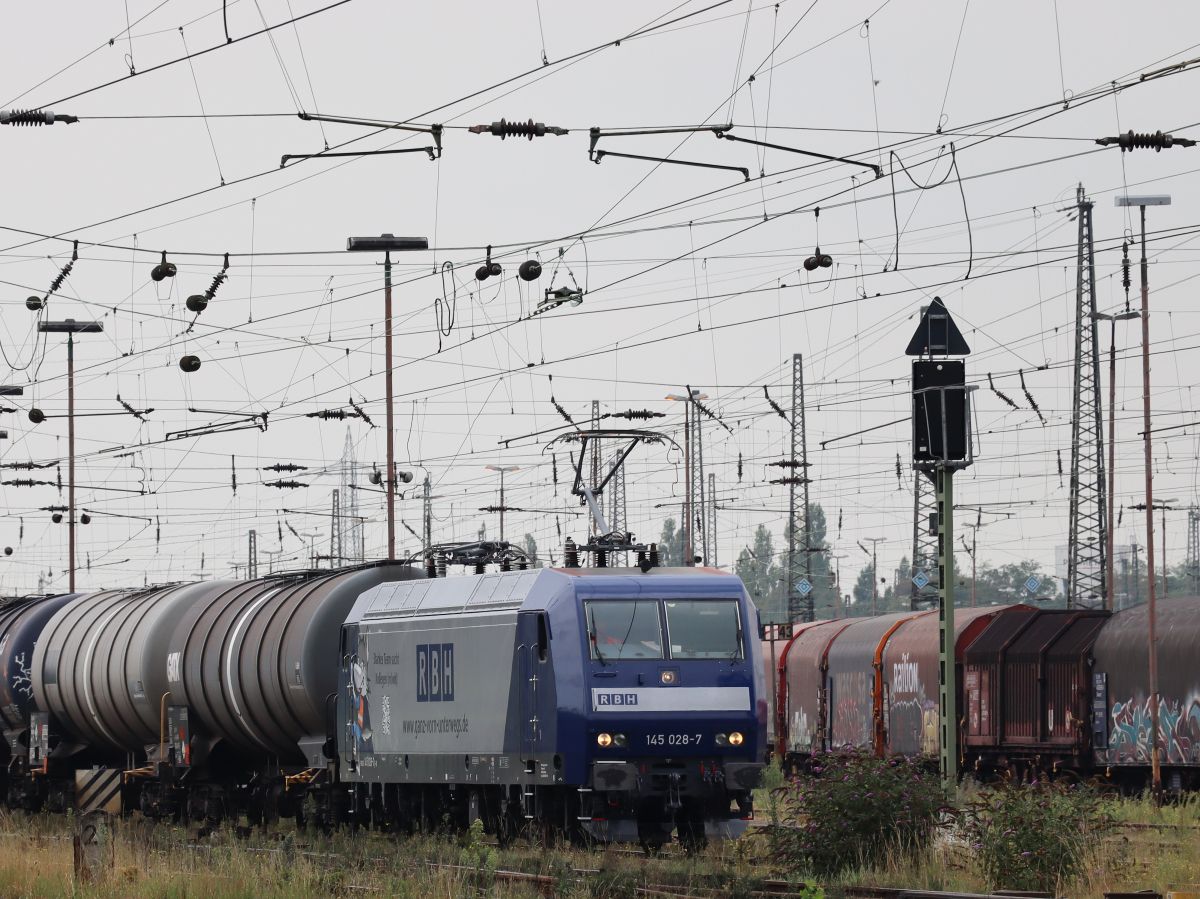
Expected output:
(1036, 837)
(855, 810)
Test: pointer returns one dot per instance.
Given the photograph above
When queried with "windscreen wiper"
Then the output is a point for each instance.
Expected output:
(596, 644)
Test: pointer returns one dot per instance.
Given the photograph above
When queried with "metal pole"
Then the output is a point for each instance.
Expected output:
(948, 721)
(974, 547)
(1155, 769)
(688, 549)
(837, 593)
(712, 519)
(428, 516)
(1111, 592)
(501, 505)
(387, 352)
(1166, 575)
(874, 576)
(71, 461)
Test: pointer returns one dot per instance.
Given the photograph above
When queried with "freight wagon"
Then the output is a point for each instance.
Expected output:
(1041, 692)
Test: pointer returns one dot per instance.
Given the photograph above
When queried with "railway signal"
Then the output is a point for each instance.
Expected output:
(941, 421)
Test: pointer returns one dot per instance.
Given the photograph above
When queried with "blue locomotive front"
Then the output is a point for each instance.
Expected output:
(669, 715)
(615, 704)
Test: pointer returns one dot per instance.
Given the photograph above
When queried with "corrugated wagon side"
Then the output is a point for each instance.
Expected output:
(1120, 694)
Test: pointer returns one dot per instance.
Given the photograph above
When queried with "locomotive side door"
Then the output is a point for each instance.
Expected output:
(535, 698)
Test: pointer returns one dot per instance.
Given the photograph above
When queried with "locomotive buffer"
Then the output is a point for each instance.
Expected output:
(941, 422)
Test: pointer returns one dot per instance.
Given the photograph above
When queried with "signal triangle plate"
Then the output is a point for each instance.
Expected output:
(937, 334)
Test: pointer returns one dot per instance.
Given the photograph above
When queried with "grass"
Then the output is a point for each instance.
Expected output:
(1151, 848)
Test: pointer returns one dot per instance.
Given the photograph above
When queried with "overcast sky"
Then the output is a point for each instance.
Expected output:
(692, 276)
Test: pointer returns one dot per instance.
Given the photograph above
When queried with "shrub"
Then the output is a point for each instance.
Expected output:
(1035, 837)
(855, 809)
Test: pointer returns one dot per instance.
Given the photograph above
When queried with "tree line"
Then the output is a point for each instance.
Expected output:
(762, 566)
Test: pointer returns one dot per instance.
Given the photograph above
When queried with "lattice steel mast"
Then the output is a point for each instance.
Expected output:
(252, 556)
(712, 518)
(616, 506)
(696, 448)
(1086, 548)
(1193, 550)
(336, 549)
(925, 541)
(799, 549)
(349, 523)
(595, 460)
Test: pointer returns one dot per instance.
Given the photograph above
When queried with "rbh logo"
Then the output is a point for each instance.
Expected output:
(435, 672)
(616, 699)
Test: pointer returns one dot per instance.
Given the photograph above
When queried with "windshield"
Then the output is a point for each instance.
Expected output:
(624, 630)
(703, 629)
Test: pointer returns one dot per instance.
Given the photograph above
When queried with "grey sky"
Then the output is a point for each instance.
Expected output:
(683, 275)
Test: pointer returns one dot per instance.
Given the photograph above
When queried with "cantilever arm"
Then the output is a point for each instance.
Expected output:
(762, 143)
(600, 154)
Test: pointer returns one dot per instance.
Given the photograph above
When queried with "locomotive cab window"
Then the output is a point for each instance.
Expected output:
(704, 629)
(624, 629)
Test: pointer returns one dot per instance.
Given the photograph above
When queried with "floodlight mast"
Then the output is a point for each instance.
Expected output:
(1152, 648)
(385, 243)
(70, 327)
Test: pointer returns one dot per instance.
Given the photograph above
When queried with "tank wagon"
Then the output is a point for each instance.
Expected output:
(615, 704)
(1040, 691)
(207, 697)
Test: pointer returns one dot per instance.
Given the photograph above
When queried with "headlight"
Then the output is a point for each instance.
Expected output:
(619, 740)
(721, 739)
(604, 740)
(735, 739)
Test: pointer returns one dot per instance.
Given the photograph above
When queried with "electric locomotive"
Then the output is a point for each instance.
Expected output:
(601, 703)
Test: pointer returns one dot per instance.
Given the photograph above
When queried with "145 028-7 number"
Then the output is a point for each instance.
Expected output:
(673, 739)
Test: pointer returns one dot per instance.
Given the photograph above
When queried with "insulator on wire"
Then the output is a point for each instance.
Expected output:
(1143, 140)
(361, 413)
(530, 129)
(562, 411)
(1029, 396)
(638, 414)
(164, 269)
(34, 117)
(999, 394)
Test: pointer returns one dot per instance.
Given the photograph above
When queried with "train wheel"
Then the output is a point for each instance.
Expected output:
(692, 836)
(653, 835)
(651, 848)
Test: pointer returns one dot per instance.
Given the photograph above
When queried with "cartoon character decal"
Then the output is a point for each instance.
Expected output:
(358, 688)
